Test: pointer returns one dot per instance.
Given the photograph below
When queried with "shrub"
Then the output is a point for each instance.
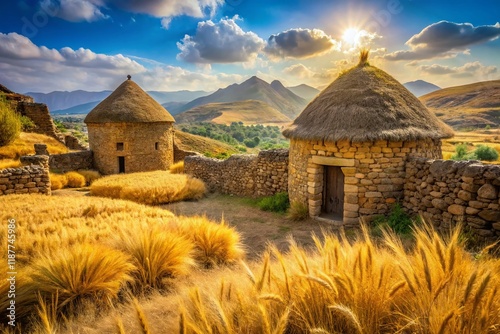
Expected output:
(90, 175)
(460, 152)
(150, 187)
(177, 168)
(27, 123)
(58, 181)
(486, 153)
(75, 180)
(10, 124)
(298, 211)
(82, 272)
(397, 220)
(214, 244)
(276, 203)
(158, 256)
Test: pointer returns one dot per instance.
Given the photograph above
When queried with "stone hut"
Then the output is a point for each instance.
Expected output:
(130, 132)
(349, 147)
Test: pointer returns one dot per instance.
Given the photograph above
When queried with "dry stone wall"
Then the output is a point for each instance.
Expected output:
(243, 175)
(449, 192)
(71, 161)
(32, 178)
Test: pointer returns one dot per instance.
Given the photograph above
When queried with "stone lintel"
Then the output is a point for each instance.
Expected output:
(332, 161)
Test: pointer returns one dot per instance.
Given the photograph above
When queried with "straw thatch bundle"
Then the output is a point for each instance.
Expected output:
(128, 104)
(366, 104)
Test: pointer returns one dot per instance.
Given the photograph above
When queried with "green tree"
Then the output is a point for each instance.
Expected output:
(10, 124)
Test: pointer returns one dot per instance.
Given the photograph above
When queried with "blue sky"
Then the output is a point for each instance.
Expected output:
(48, 45)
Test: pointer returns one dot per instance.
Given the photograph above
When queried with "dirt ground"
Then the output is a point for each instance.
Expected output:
(257, 227)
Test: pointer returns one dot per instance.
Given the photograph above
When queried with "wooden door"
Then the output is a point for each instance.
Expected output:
(333, 191)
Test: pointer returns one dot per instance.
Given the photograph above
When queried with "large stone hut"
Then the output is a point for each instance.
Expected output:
(130, 132)
(349, 146)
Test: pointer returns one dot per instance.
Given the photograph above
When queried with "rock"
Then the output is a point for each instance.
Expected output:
(496, 226)
(436, 194)
(490, 215)
(464, 195)
(439, 204)
(488, 191)
(456, 209)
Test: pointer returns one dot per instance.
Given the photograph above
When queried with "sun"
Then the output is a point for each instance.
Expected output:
(351, 37)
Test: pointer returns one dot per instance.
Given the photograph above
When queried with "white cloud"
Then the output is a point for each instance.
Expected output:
(445, 40)
(299, 70)
(300, 43)
(222, 42)
(75, 10)
(472, 69)
(165, 22)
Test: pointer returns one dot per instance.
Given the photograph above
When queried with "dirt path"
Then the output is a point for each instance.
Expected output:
(256, 227)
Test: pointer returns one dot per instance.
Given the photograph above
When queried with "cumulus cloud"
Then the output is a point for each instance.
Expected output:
(222, 42)
(74, 10)
(24, 65)
(299, 70)
(445, 39)
(467, 70)
(299, 43)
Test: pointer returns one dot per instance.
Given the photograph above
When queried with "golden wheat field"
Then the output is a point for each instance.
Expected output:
(156, 187)
(24, 145)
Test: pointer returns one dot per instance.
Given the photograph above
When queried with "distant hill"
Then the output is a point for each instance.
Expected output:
(473, 105)
(276, 96)
(203, 145)
(62, 102)
(304, 91)
(421, 87)
(249, 112)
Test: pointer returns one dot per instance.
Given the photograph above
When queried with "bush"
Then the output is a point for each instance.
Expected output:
(460, 152)
(486, 153)
(75, 180)
(177, 168)
(276, 203)
(397, 220)
(27, 124)
(10, 124)
(298, 211)
(82, 272)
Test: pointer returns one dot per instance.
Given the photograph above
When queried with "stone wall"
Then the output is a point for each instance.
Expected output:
(31, 178)
(180, 154)
(449, 192)
(374, 173)
(243, 175)
(67, 162)
(143, 146)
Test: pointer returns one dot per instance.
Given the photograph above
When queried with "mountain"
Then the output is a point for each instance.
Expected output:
(81, 99)
(254, 88)
(249, 112)
(79, 109)
(304, 91)
(189, 142)
(421, 87)
(473, 105)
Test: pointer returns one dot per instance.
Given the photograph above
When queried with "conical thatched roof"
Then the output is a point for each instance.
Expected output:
(128, 104)
(366, 104)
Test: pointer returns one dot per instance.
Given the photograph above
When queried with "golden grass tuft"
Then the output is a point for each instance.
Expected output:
(298, 211)
(152, 188)
(24, 145)
(158, 255)
(177, 168)
(75, 180)
(214, 244)
(82, 273)
(90, 175)
(9, 163)
(58, 181)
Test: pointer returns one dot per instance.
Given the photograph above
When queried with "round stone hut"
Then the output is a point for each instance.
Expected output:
(130, 132)
(349, 147)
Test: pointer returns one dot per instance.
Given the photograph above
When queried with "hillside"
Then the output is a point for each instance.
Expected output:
(475, 105)
(276, 96)
(304, 91)
(421, 87)
(249, 112)
(188, 142)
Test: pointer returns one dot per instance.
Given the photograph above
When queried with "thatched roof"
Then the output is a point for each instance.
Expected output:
(128, 104)
(366, 104)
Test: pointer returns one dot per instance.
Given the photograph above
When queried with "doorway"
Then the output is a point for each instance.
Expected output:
(333, 193)
(121, 164)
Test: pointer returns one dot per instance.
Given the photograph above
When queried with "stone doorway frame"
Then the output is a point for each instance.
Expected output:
(315, 177)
